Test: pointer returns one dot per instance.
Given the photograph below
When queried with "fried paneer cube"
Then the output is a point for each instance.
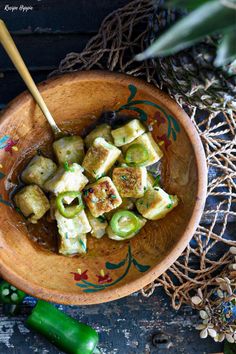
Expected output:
(38, 171)
(98, 225)
(154, 152)
(101, 196)
(113, 236)
(127, 204)
(150, 180)
(65, 181)
(71, 246)
(69, 149)
(71, 228)
(130, 181)
(32, 202)
(156, 203)
(100, 157)
(101, 131)
(128, 132)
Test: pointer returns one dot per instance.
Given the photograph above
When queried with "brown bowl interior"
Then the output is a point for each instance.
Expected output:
(110, 269)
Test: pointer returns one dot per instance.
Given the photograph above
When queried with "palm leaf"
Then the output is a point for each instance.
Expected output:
(209, 18)
(227, 49)
(185, 4)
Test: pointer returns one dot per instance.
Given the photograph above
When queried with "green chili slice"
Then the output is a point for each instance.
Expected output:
(68, 334)
(136, 155)
(124, 223)
(69, 211)
(9, 294)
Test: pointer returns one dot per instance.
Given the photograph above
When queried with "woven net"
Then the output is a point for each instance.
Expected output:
(123, 34)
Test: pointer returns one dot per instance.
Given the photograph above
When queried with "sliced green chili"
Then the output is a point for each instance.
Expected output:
(65, 332)
(11, 298)
(136, 155)
(124, 223)
(9, 294)
(71, 211)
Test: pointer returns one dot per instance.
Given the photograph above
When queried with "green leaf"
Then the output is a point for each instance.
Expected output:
(133, 91)
(92, 290)
(140, 267)
(175, 124)
(82, 285)
(115, 265)
(232, 68)
(209, 18)
(226, 52)
(142, 114)
(185, 4)
(173, 134)
(229, 348)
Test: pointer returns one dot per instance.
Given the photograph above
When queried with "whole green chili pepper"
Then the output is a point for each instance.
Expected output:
(69, 211)
(65, 332)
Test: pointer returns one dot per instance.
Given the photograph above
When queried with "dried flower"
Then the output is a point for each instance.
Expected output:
(197, 299)
(218, 311)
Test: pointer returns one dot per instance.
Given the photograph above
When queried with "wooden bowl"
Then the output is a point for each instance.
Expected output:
(111, 269)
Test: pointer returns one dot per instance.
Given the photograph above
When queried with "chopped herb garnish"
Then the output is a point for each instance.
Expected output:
(68, 168)
(102, 219)
(141, 202)
(169, 206)
(82, 244)
(124, 178)
(147, 205)
(124, 139)
(85, 192)
(145, 188)
(113, 196)
(157, 181)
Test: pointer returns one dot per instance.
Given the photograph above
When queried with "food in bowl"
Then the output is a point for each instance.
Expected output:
(101, 184)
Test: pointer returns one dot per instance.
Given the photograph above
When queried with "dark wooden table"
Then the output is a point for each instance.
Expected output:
(44, 34)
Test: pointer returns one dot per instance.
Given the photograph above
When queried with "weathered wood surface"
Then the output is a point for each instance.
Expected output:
(44, 35)
(125, 326)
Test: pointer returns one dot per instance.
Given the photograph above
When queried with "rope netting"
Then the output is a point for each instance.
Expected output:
(123, 34)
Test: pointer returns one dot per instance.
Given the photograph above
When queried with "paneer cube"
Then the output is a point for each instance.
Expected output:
(71, 246)
(65, 181)
(150, 180)
(100, 157)
(101, 131)
(101, 196)
(156, 203)
(98, 225)
(128, 132)
(72, 228)
(38, 171)
(127, 204)
(32, 202)
(154, 152)
(113, 236)
(130, 181)
(69, 149)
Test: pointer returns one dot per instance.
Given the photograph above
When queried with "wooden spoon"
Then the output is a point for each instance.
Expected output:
(10, 47)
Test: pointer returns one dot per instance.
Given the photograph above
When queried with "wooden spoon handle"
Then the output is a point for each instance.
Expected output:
(12, 51)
